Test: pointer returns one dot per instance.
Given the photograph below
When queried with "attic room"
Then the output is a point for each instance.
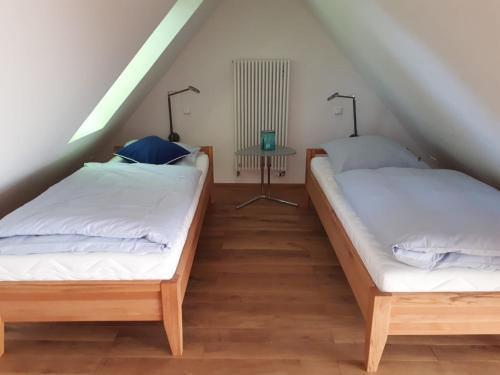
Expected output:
(250, 187)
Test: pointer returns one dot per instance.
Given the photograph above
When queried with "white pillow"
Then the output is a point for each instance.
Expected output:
(369, 152)
(189, 160)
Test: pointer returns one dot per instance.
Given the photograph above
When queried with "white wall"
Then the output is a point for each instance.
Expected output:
(261, 28)
(436, 64)
(58, 59)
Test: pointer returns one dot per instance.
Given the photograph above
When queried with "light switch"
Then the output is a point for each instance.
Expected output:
(338, 110)
(187, 111)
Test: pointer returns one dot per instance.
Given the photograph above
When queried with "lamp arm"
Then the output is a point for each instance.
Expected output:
(354, 114)
(172, 93)
(174, 137)
(353, 98)
(170, 115)
(346, 96)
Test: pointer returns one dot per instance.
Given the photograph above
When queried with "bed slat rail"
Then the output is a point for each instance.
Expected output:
(358, 277)
(79, 301)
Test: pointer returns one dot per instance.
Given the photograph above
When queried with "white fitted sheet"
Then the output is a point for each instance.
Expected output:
(388, 274)
(104, 266)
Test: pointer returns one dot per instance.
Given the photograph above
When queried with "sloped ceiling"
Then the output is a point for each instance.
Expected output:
(435, 63)
(58, 60)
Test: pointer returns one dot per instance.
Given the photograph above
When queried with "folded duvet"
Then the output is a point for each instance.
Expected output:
(428, 218)
(104, 207)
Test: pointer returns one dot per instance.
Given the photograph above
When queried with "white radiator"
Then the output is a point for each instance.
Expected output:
(261, 92)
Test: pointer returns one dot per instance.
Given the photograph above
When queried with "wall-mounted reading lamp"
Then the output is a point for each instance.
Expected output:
(337, 95)
(174, 137)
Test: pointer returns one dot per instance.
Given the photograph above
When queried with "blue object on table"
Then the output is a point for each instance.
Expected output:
(268, 140)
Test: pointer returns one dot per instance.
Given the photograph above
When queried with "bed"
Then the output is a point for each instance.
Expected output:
(394, 301)
(145, 287)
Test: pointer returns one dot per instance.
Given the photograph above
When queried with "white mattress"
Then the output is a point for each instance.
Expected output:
(388, 274)
(103, 266)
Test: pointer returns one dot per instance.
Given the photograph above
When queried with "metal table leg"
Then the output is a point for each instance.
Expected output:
(268, 195)
(263, 193)
(262, 189)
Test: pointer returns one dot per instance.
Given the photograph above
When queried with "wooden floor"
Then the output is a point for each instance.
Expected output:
(266, 297)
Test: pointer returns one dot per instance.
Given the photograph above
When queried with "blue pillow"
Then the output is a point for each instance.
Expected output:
(152, 150)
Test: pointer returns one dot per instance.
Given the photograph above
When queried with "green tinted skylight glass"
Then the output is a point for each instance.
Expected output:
(138, 67)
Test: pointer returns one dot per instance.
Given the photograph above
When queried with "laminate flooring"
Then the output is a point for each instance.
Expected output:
(266, 296)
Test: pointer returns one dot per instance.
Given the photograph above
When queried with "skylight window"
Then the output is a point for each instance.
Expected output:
(138, 67)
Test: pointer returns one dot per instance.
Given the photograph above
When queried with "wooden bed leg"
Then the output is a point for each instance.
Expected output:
(172, 315)
(2, 336)
(377, 331)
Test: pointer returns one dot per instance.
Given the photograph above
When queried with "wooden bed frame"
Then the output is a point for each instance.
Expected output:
(425, 313)
(78, 301)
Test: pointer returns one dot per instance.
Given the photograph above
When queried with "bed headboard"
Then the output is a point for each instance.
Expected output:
(310, 154)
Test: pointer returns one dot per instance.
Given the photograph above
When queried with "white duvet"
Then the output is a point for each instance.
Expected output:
(104, 207)
(428, 218)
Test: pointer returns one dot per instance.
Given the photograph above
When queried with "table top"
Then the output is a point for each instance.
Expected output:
(257, 151)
